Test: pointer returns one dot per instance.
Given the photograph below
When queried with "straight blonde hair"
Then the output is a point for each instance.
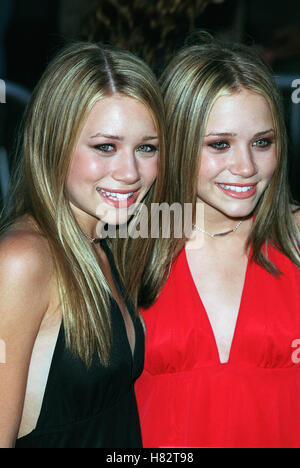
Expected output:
(80, 75)
(192, 82)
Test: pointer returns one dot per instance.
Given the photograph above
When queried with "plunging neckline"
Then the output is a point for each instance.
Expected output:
(205, 316)
(119, 288)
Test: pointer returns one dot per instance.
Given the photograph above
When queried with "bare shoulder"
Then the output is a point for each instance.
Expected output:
(22, 247)
(26, 267)
(296, 213)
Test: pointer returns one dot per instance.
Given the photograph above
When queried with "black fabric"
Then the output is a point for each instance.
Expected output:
(95, 407)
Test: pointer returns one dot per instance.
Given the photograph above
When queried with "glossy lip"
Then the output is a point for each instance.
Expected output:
(119, 203)
(239, 195)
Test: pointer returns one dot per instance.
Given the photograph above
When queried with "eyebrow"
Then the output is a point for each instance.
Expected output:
(264, 132)
(119, 138)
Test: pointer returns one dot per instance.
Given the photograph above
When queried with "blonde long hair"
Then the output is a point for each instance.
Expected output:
(194, 79)
(191, 84)
(81, 74)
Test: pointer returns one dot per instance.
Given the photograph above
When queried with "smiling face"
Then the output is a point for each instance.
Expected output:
(114, 163)
(238, 157)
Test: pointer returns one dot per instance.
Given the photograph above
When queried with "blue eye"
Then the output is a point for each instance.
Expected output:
(105, 147)
(219, 145)
(147, 149)
(263, 142)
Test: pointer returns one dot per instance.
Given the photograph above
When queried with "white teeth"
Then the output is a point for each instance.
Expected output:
(234, 188)
(115, 196)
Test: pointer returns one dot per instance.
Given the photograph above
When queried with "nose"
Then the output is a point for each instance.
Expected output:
(126, 168)
(242, 163)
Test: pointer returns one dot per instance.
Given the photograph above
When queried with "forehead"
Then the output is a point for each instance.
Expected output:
(243, 109)
(118, 106)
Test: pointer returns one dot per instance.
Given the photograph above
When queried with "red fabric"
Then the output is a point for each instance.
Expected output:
(188, 398)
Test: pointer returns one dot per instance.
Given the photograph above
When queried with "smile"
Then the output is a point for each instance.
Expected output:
(238, 191)
(119, 198)
(235, 188)
(115, 196)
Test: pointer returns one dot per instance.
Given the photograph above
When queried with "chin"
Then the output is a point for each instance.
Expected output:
(112, 223)
(237, 210)
(241, 212)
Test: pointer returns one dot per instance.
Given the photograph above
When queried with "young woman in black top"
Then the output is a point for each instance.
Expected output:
(73, 347)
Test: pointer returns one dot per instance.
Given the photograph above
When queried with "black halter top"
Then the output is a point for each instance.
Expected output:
(95, 407)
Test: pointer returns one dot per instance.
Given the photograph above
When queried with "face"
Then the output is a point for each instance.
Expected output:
(238, 157)
(114, 163)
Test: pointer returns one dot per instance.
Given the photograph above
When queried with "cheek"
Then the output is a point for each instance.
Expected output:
(210, 167)
(148, 171)
(268, 165)
(84, 169)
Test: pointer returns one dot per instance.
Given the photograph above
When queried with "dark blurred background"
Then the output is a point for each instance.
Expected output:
(32, 31)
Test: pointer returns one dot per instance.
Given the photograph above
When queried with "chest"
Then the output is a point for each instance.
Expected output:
(120, 302)
(190, 327)
(219, 281)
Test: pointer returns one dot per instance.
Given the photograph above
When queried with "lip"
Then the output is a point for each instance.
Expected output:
(239, 195)
(119, 203)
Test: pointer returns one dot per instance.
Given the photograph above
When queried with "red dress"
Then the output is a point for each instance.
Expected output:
(188, 398)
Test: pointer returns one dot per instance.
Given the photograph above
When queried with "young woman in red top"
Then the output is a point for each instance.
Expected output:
(222, 364)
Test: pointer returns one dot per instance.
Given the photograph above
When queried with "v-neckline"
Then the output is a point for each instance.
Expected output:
(119, 287)
(209, 327)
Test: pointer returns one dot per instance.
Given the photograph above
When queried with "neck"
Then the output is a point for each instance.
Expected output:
(213, 220)
(89, 225)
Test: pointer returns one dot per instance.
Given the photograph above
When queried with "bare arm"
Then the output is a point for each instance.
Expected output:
(23, 303)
